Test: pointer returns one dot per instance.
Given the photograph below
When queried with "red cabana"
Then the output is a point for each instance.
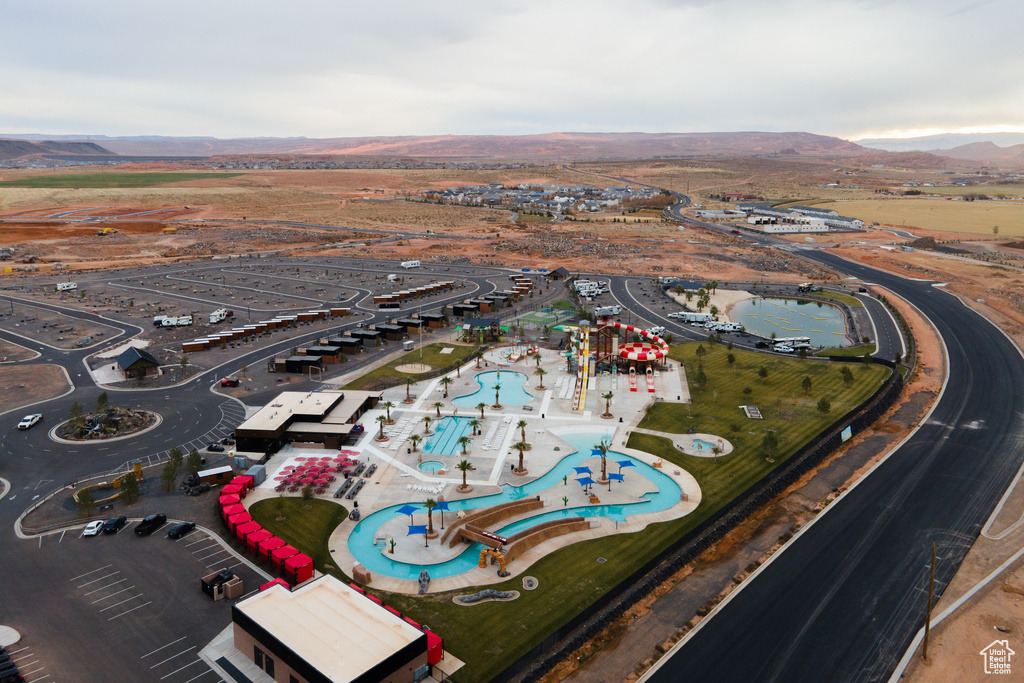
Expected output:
(232, 509)
(252, 541)
(299, 568)
(229, 499)
(245, 481)
(233, 488)
(268, 546)
(238, 518)
(281, 582)
(278, 557)
(435, 647)
(246, 528)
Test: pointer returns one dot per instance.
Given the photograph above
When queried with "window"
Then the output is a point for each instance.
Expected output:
(292, 679)
(257, 656)
(269, 668)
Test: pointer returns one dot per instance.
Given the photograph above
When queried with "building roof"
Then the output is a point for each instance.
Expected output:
(561, 271)
(322, 407)
(132, 355)
(337, 631)
(481, 322)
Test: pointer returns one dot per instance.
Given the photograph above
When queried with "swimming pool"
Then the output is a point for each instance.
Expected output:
(823, 323)
(665, 495)
(431, 465)
(512, 392)
(702, 445)
(447, 432)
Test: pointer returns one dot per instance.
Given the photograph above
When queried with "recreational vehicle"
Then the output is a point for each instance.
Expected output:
(65, 286)
(410, 264)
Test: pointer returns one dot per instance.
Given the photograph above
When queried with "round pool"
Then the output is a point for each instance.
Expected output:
(512, 392)
(431, 465)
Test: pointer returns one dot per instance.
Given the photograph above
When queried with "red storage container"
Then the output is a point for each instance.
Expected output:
(268, 546)
(229, 499)
(280, 555)
(245, 481)
(239, 518)
(246, 528)
(298, 568)
(232, 509)
(252, 541)
(435, 647)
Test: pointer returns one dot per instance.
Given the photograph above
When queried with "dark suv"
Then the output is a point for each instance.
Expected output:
(115, 524)
(151, 524)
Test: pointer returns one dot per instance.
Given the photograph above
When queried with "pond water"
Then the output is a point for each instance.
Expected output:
(823, 323)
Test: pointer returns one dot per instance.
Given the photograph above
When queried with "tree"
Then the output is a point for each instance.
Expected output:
(747, 391)
(381, 420)
(194, 462)
(701, 352)
(430, 504)
(465, 466)
(521, 447)
(464, 441)
(387, 406)
(129, 488)
(806, 384)
(409, 381)
(701, 379)
(867, 360)
(415, 439)
(167, 477)
(899, 358)
(101, 402)
(802, 353)
(497, 393)
(183, 361)
(437, 405)
(716, 450)
(446, 382)
(522, 428)
(536, 357)
(762, 372)
(75, 415)
(242, 371)
(769, 443)
(607, 404)
(174, 457)
(846, 375)
(731, 359)
(479, 357)
(689, 296)
(540, 372)
(824, 405)
(86, 503)
(427, 420)
(603, 447)
(475, 424)
(307, 496)
(480, 406)
(713, 310)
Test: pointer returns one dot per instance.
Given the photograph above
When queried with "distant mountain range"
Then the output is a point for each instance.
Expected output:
(14, 149)
(944, 141)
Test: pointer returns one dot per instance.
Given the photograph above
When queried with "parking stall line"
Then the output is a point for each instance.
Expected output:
(131, 610)
(24, 669)
(163, 647)
(217, 562)
(212, 543)
(122, 602)
(172, 657)
(208, 671)
(200, 540)
(107, 597)
(25, 665)
(103, 588)
(39, 679)
(107, 576)
(181, 669)
(206, 557)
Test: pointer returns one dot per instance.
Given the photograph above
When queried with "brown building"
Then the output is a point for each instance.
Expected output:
(326, 417)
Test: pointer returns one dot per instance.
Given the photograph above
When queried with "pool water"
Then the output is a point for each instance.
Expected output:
(447, 432)
(512, 391)
(664, 494)
(431, 465)
(702, 445)
(823, 323)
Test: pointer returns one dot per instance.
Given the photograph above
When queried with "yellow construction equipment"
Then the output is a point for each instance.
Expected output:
(105, 231)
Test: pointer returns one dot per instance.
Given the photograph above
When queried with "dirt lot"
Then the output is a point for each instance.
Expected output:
(12, 353)
(942, 215)
(27, 383)
(53, 328)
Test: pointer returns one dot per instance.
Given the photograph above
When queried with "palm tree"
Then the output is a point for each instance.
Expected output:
(430, 504)
(409, 381)
(388, 405)
(522, 428)
(437, 405)
(415, 439)
(536, 357)
(446, 382)
(497, 392)
(426, 424)
(480, 406)
(479, 357)
(603, 447)
(540, 372)
(475, 424)
(522, 446)
(607, 404)
(713, 310)
(716, 450)
(464, 441)
(381, 420)
(465, 466)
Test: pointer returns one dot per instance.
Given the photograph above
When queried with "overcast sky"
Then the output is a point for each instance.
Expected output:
(334, 68)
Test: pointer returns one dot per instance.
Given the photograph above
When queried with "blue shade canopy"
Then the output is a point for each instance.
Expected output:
(406, 510)
(585, 481)
(443, 505)
(418, 529)
(625, 463)
(595, 451)
(582, 470)
(614, 475)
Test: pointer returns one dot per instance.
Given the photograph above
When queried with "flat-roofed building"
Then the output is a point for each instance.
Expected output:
(327, 632)
(326, 417)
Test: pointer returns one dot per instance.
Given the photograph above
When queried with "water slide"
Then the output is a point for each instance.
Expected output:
(650, 379)
(632, 379)
(579, 400)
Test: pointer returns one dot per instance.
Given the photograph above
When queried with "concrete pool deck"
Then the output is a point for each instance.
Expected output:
(398, 479)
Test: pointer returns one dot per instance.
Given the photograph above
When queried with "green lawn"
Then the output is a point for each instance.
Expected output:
(307, 530)
(101, 180)
(858, 350)
(564, 305)
(836, 296)
(432, 356)
(490, 636)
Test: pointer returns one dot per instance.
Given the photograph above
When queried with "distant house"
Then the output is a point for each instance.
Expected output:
(137, 363)
(557, 274)
(487, 326)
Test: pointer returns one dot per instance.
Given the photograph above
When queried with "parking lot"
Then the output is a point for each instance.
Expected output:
(118, 607)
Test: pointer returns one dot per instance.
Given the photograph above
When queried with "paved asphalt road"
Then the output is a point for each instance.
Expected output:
(843, 602)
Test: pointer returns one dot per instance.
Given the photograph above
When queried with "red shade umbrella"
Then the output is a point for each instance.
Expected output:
(320, 480)
(306, 480)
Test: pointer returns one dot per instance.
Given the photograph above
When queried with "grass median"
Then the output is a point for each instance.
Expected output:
(109, 180)
(431, 354)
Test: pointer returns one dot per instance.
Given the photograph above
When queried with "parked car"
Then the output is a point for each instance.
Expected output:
(215, 447)
(29, 421)
(762, 345)
(150, 524)
(93, 528)
(114, 524)
(180, 529)
(229, 382)
(228, 441)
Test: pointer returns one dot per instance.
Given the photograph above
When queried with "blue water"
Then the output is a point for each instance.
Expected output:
(702, 445)
(664, 494)
(512, 392)
(823, 323)
(447, 431)
(431, 465)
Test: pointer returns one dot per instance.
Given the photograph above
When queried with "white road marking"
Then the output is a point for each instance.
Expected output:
(107, 597)
(105, 576)
(181, 669)
(122, 602)
(103, 588)
(172, 657)
(161, 648)
(131, 610)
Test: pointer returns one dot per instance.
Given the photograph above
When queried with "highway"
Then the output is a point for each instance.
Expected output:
(844, 600)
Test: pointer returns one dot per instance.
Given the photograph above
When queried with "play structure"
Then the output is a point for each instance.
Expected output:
(497, 555)
(602, 351)
(117, 484)
(517, 352)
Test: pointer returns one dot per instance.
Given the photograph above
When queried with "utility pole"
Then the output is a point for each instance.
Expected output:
(928, 612)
